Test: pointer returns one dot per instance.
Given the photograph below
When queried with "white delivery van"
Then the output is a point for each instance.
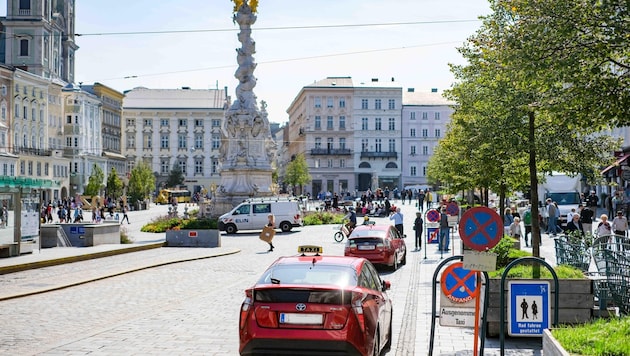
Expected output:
(252, 214)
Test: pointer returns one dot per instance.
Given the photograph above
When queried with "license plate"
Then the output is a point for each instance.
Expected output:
(294, 318)
(366, 247)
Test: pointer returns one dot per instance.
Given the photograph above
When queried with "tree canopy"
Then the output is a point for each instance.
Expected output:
(141, 182)
(114, 184)
(95, 182)
(296, 172)
(175, 177)
(543, 78)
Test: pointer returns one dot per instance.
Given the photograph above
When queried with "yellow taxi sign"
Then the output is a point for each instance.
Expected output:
(310, 249)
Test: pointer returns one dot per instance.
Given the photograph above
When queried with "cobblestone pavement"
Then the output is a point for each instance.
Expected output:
(191, 308)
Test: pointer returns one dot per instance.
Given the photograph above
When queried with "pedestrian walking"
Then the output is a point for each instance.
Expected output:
(397, 217)
(515, 230)
(527, 222)
(125, 216)
(271, 223)
(417, 226)
(445, 231)
(586, 216)
(620, 224)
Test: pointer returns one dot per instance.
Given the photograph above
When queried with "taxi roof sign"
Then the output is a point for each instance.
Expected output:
(310, 249)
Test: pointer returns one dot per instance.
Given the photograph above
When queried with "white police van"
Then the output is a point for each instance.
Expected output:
(252, 214)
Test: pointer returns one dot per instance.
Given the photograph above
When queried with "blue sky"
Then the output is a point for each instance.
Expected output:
(416, 55)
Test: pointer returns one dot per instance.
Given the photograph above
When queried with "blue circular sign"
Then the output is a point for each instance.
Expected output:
(481, 228)
(433, 215)
(459, 284)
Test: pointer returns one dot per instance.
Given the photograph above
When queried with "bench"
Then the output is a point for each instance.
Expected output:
(5, 249)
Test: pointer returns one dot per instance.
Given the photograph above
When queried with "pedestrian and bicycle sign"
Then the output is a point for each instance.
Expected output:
(481, 228)
(528, 307)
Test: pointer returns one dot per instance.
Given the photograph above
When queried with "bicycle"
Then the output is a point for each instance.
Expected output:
(343, 233)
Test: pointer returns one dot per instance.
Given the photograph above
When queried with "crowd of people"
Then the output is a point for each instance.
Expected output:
(70, 210)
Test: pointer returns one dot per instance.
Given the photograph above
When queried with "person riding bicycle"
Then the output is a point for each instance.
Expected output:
(352, 219)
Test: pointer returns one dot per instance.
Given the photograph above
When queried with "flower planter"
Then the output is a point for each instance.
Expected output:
(193, 238)
(551, 346)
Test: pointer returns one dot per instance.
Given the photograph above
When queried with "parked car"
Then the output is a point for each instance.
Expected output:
(252, 214)
(381, 244)
(314, 304)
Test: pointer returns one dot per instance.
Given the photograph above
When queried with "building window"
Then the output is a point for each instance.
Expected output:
(182, 166)
(329, 143)
(330, 163)
(164, 166)
(342, 102)
(412, 150)
(23, 48)
(413, 171)
(342, 122)
(22, 168)
(317, 163)
(377, 104)
(164, 122)
(364, 145)
(181, 141)
(215, 165)
(437, 133)
(46, 169)
(424, 171)
(364, 123)
(216, 123)
(329, 102)
(318, 102)
(76, 142)
(378, 146)
(425, 150)
(318, 142)
(130, 122)
(412, 115)
(216, 141)
(30, 168)
(425, 133)
(183, 122)
(318, 122)
(425, 116)
(198, 123)
(147, 141)
(392, 145)
(377, 124)
(198, 141)
(364, 103)
(164, 141)
(131, 142)
(391, 124)
(412, 132)
(391, 104)
(329, 122)
(198, 165)
(437, 115)
(342, 143)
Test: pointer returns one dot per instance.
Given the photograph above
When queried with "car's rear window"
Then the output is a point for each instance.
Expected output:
(290, 295)
(310, 274)
(368, 233)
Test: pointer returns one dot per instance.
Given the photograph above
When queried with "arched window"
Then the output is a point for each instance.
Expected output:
(364, 165)
(391, 165)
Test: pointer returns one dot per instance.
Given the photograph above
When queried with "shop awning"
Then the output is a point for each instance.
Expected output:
(617, 163)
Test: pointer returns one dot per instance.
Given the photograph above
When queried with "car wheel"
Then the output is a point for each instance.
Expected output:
(285, 226)
(377, 350)
(338, 236)
(230, 229)
(404, 259)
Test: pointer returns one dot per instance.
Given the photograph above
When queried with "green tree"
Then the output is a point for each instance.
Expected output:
(296, 172)
(114, 184)
(525, 101)
(95, 182)
(141, 182)
(175, 177)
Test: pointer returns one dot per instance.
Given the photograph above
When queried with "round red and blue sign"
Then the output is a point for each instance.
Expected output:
(480, 228)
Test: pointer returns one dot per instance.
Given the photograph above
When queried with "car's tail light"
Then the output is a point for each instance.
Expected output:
(245, 307)
(357, 308)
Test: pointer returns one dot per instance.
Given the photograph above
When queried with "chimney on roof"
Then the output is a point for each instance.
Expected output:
(374, 80)
(410, 90)
(393, 79)
(433, 90)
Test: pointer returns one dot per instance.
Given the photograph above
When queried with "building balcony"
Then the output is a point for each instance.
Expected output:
(331, 151)
(367, 154)
(31, 151)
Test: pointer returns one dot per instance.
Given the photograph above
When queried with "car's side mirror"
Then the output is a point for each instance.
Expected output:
(387, 285)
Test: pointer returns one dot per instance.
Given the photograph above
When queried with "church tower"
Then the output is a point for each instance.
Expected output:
(39, 37)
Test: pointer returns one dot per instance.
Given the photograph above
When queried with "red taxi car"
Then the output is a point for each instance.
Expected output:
(315, 305)
(381, 244)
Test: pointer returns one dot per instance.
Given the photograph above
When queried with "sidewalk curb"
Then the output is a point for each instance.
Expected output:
(77, 258)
